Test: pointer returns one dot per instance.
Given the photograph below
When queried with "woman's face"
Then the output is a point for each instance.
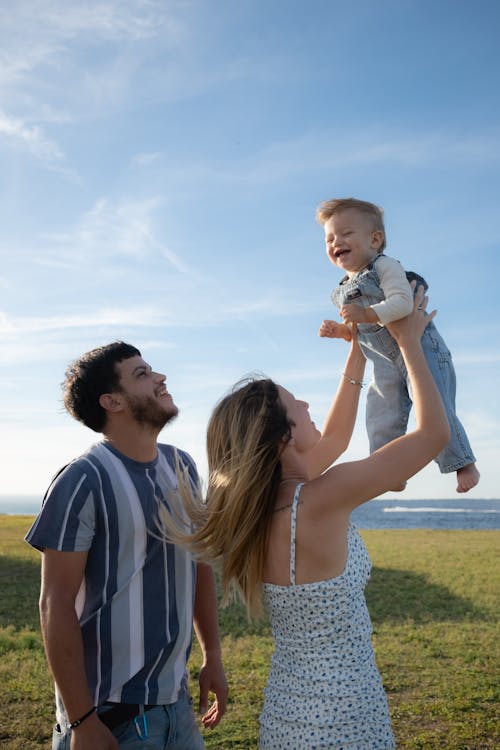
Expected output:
(304, 431)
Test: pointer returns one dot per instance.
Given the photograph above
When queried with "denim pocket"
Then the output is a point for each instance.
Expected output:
(60, 739)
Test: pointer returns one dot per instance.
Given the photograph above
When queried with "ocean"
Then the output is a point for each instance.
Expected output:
(454, 513)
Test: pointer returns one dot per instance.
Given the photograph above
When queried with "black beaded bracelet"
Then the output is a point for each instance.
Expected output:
(77, 722)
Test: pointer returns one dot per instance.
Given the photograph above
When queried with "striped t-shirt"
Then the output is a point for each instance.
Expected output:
(135, 604)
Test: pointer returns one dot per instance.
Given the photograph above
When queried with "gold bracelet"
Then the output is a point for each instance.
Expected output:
(352, 381)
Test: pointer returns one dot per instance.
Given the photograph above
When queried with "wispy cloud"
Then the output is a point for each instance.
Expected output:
(39, 41)
(31, 137)
(144, 315)
(113, 20)
(129, 316)
(148, 158)
(319, 151)
(112, 230)
(61, 62)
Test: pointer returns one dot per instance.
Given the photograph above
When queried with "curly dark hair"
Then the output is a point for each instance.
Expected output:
(91, 375)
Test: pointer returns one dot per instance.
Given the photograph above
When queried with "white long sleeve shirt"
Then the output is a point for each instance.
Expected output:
(398, 294)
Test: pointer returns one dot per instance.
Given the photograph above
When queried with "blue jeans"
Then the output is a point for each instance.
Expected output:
(169, 727)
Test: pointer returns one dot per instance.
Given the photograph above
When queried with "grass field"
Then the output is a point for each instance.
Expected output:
(433, 598)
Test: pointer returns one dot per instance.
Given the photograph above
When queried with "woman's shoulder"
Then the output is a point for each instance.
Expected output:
(322, 502)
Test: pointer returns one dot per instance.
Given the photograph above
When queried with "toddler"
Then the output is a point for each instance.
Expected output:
(375, 291)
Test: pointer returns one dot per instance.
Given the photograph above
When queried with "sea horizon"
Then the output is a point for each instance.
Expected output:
(460, 513)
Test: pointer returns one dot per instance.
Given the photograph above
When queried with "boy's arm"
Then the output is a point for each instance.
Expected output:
(330, 329)
(398, 301)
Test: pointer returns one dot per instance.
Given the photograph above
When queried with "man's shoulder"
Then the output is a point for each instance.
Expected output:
(174, 454)
(78, 466)
(171, 451)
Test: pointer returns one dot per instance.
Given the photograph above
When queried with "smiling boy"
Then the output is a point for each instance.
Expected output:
(375, 291)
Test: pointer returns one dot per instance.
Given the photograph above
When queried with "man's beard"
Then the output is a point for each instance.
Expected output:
(147, 412)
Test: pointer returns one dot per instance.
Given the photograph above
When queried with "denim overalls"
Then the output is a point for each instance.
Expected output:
(388, 400)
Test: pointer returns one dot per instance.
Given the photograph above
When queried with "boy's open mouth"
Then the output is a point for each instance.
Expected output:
(339, 253)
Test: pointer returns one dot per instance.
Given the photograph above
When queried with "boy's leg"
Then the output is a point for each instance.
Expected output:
(387, 402)
(458, 453)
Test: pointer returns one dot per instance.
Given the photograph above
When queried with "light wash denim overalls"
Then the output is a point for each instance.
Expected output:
(389, 401)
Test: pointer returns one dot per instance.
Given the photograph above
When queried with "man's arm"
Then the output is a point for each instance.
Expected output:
(62, 574)
(212, 677)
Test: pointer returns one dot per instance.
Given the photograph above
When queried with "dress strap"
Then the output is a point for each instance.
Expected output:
(293, 528)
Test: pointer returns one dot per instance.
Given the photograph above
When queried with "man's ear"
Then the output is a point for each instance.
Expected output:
(377, 239)
(111, 402)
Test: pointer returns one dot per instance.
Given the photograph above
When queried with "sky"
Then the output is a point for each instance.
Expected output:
(161, 164)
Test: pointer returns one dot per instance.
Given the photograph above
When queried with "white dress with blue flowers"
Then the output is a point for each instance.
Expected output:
(324, 689)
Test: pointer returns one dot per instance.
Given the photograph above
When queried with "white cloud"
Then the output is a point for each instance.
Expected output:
(122, 230)
(130, 316)
(146, 159)
(318, 151)
(59, 58)
(107, 21)
(32, 137)
(476, 358)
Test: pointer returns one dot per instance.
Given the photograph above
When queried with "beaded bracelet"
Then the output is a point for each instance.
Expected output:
(77, 722)
(352, 381)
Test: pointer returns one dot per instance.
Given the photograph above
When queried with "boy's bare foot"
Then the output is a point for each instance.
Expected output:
(467, 478)
(330, 329)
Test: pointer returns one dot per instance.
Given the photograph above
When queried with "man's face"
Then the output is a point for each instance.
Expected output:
(145, 393)
(351, 242)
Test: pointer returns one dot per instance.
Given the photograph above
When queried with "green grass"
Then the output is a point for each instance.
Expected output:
(433, 598)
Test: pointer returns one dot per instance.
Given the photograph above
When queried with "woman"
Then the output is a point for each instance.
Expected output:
(277, 518)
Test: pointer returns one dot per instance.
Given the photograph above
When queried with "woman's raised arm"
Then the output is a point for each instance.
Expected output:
(339, 423)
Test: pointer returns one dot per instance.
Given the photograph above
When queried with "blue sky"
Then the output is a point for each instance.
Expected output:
(161, 166)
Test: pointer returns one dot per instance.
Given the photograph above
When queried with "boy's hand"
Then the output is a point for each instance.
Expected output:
(330, 329)
(356, 314)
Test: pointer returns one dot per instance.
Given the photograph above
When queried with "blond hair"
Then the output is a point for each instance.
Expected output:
(245, 436)
(327, 209)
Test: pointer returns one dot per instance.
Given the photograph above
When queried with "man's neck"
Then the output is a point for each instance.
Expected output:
(134, 442)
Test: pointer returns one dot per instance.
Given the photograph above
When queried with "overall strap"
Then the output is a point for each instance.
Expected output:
(293, 527)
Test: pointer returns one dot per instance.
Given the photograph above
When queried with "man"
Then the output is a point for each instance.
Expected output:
(117, 600)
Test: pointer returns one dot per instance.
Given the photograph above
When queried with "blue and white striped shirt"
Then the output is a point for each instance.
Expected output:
(135, 604)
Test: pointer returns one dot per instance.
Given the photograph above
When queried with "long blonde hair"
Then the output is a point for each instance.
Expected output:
(245, 436)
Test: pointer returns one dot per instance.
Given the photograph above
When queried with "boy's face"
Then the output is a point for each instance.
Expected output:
(351, 241)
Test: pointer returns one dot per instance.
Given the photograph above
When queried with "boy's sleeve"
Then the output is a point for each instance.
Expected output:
(67, 519)
(398, 295)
